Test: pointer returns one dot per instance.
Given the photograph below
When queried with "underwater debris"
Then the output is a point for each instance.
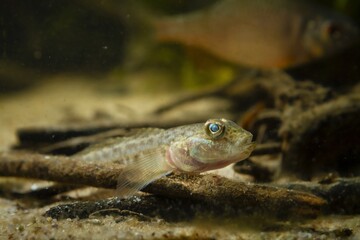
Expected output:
(246, 198)
(318, 129)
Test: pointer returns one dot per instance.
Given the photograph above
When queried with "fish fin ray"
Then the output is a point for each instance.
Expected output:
(147, 169)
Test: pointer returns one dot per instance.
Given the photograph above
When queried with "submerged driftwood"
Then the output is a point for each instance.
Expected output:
(342, 196)
(212, 190)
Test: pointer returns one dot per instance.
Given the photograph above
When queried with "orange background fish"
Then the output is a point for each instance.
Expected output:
(261, 34)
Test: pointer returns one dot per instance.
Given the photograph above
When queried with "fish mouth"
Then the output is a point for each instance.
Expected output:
(248, 147)
(246, 143)
(243, 150)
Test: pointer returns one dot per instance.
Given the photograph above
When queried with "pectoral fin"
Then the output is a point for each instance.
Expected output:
(150, 165)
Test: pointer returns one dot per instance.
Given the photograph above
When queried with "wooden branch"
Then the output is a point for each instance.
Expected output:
(342, 194)
(210, 189)
(242, 85)
(60, 169)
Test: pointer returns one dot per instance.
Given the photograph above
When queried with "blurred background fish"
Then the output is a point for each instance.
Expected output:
(261, 34)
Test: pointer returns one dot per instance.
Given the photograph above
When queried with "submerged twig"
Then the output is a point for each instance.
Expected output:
(342, 194)
(76, 144)
(210, 189)
(267, 148)
(244, 85)
(61, 169)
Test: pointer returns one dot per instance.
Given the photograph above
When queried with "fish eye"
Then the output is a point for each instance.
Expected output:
(214, 129)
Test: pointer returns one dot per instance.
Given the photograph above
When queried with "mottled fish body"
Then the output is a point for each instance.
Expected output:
(153, 153)
(261, 33)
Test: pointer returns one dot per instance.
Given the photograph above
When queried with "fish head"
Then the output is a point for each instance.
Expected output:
(216, 144)
(327, 35)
